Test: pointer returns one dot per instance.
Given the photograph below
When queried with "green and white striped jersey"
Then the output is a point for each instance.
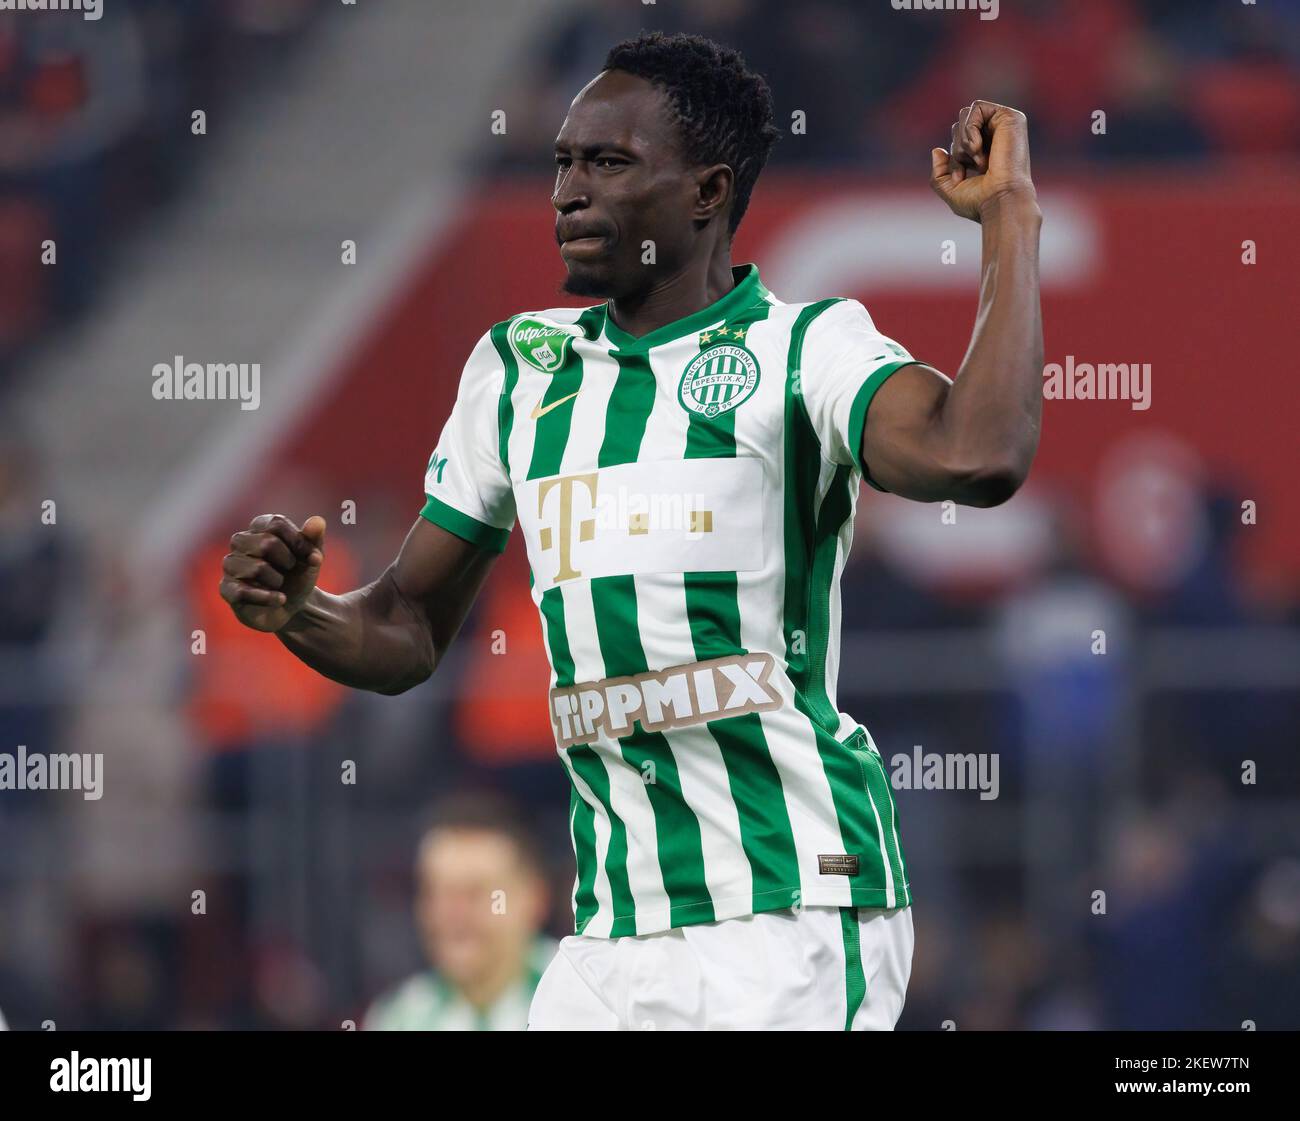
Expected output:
(687, 500)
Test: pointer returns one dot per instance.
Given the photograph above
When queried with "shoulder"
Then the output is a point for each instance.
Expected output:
(563, 319)
(541, 339)
(569, 320)
(558, 315)
(818, 329)
(842, 326)
(509, 342)
(820, 317)
(836, 313)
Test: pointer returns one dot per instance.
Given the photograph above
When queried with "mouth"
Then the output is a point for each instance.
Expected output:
(583, 247)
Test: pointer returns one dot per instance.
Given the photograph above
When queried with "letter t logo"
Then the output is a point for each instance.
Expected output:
(586, 527)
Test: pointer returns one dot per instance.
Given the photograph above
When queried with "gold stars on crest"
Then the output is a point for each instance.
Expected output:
(722, 334)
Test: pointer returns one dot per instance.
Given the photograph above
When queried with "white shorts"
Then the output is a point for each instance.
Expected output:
(819, 969)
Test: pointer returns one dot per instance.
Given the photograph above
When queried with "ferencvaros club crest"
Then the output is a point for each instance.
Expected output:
(719, 379)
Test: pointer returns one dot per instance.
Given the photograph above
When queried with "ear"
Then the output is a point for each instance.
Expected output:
(715, 188)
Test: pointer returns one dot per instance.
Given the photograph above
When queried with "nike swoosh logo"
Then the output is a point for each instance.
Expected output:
(539, 411)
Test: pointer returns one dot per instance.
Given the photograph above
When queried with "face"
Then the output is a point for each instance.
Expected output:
(620, 182)
(478, 903)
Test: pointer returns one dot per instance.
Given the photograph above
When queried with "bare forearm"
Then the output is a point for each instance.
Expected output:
(989, 422)
(369, 639)
(928, 437)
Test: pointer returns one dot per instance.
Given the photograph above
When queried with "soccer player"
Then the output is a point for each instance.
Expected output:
(480, 905)
(684, 460)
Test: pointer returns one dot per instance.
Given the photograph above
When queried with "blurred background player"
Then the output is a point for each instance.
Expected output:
(481, 901)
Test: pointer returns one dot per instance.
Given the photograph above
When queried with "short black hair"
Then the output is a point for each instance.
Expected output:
(723, 110)
(483, 810)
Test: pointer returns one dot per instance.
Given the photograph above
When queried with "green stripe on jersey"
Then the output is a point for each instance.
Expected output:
(462, 525)
(811, 542)
(550, 439)
(588, 765)
(713, 611)
(552, 432)
(882, 802)
(858, 413)
(614, 602)
(583, 814)
(505, 407)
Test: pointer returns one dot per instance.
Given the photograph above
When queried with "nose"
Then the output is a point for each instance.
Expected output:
(571, 188)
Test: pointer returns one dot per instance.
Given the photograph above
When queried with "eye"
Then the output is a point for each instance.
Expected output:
(609, 161)
(562, 161)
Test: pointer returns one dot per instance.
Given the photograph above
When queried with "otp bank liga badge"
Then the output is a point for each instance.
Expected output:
(542, 345)
(719, 379)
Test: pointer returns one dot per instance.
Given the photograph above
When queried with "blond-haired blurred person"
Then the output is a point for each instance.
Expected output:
(481, 903)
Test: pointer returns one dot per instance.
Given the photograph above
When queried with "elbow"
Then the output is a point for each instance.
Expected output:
(416, 672)
(397, 688)
(990, 482)
(404, 684)
(992, 476)
(993, 489)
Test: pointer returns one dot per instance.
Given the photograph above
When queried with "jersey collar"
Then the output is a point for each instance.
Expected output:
(748, 291)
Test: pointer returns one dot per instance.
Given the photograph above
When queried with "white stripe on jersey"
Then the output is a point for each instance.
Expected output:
(706, 788)
(628, 797)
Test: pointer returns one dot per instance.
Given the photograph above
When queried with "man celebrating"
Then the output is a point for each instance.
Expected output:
(684, 461)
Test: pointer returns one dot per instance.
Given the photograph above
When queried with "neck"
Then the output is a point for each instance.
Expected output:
(695, 287)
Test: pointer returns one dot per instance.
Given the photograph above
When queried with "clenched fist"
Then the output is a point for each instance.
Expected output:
(271, 569)
(988, 162)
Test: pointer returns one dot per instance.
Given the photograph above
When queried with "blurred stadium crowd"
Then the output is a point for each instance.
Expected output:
(1115, 772)
(94, 116)
(1180, 79)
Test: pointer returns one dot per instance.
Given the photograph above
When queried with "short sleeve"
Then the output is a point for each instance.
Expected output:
(844, 363)
(466, 486)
